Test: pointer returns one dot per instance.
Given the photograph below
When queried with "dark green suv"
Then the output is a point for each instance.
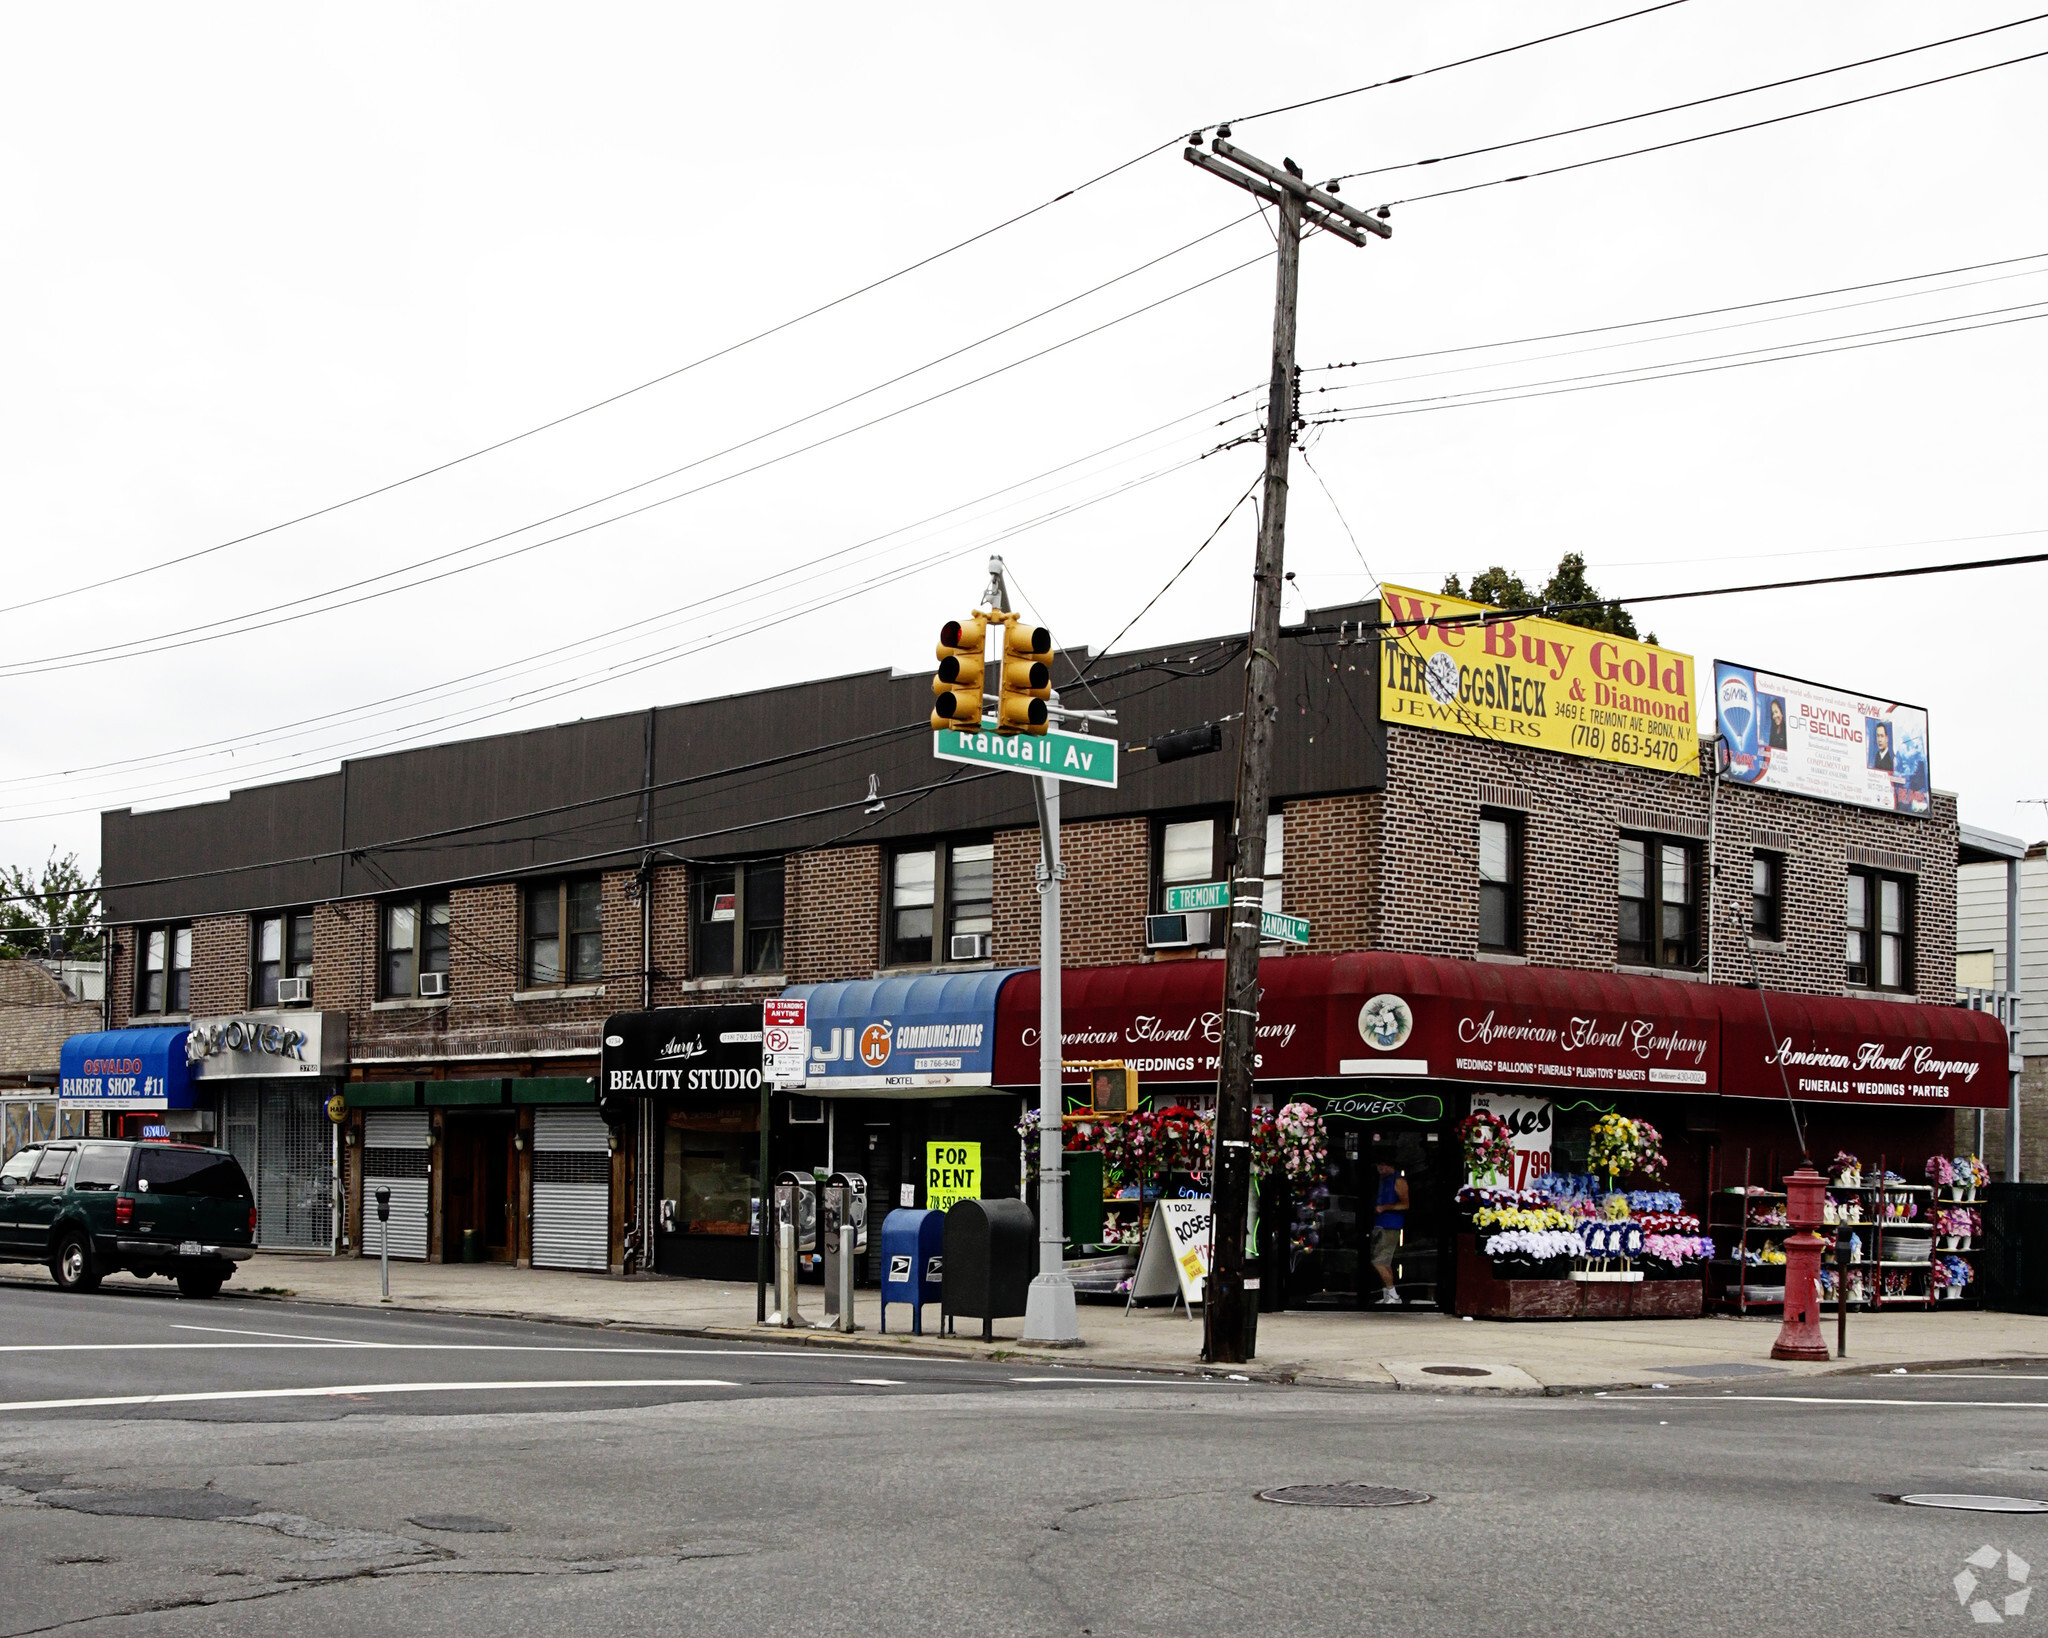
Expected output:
(92, 1207)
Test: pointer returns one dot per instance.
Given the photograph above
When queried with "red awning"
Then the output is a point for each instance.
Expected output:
(1382, 1015)
(1831, 1049)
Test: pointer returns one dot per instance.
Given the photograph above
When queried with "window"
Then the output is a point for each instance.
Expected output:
(937, 893)
(1276, 866)
(50, 1169)
(1767, 896)
(284, 949)
(101, 1168)
(565, 932)
(1658, 920)
(1187, 852)
(415, 939)
(200, 1172)
(1500, 882)
(163, 976)
(742, 899)
(1878, 946)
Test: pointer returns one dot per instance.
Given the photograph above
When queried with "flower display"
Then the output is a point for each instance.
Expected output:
(1610, 1239)
(1641, 1201)
(1678, 1248)
(1668, 1222)
(1941, 1170)
(1537, 1219)
(1488, 1148)
(1561, 1185)
(1471, 1197)
(1620, 1145)
(1302, 1149)
(1846, 1168)
(1538, 1246)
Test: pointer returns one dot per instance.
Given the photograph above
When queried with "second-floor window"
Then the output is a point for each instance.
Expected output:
(283, 949)
(1767, 896)
(163, 969)
(1878, 948)
(1500, 882)
(736, 919)
(1658, 914)
(565, 932)
(414, 939)
(940, 897)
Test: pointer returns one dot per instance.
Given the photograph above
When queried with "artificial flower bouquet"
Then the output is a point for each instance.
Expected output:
(1676, 1256)
(1846, 1170)
(1941, 1171)
(1531, 1253)
(1667, 1222)
(1619, 1146)
(1644, 1201)
(1536, 1219)
(1489, 1150)
(1948, 1276)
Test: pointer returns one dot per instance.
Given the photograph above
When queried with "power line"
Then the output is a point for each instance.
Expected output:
(164, 641)
(1708, 136)
(1442, 68)
(1696, 102)
(1170, 579)
(1605, 378)
(1702, 312)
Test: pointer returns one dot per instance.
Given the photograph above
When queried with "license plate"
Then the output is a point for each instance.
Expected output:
(190, 1248)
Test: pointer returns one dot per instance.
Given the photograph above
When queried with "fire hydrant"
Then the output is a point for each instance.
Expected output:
(1799, 1336)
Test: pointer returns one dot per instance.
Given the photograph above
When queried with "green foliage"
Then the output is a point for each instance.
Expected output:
(1497, 588)
(59, 895)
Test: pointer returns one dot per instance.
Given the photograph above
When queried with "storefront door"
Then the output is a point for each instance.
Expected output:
(477, 1185)
(280, 1132)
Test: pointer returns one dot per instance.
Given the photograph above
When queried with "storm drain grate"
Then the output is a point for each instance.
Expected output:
(1979, 1504)
(1342, 1495)
(1456, 1370)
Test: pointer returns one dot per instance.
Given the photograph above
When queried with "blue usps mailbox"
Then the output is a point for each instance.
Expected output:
(913, 1245)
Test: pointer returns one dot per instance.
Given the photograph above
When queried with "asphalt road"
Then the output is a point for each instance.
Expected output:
(249, 1467)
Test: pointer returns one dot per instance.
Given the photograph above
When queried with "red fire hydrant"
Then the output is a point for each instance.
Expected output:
(1799, 1337)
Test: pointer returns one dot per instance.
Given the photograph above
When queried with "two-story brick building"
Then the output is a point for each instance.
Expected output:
(463, 919)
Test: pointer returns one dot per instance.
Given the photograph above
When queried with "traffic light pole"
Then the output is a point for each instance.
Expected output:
(1226, 1310)
(1049, 1313)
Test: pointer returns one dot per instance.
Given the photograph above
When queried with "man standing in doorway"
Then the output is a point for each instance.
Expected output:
(1390, 1215)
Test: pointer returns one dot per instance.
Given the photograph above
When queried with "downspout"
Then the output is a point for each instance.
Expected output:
(1713, 863)
(2012, 989)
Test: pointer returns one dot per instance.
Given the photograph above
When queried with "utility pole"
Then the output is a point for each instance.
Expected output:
(1225, 1312)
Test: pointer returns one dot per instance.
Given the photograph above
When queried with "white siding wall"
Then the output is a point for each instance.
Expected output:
(1980, 925)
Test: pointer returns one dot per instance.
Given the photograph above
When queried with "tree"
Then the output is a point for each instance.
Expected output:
(53, 913)
(1498, 589)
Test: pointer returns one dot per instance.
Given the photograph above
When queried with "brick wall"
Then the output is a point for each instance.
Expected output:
(1332, 854)
(1102, 902)
(671, 916)
(220, 965)
(121, 976)
(832, 915)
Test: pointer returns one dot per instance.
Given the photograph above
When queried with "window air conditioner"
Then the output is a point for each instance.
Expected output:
(433, 983)
(969, 947)
(1177, 932)
(290, 990)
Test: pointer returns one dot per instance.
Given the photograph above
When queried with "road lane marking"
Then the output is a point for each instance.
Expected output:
(875, 1382)
(288, 1336)
(482, 1348)
(1127, 1381)
(1817, 1399)
(227, 1395)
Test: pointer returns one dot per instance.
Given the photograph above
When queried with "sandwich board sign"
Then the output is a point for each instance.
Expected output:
(1175, 1256)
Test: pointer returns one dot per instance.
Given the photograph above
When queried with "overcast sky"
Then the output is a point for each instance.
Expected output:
(261, 259)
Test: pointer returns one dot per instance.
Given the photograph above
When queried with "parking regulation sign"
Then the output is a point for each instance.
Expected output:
(785, 1042)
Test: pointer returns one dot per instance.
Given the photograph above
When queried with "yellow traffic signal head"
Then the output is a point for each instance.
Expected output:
(1023, 700)
(957, 684)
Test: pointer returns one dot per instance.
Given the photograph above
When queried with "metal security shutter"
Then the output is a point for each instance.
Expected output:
(395, 1147)
(572, 1189)
(294, 1164)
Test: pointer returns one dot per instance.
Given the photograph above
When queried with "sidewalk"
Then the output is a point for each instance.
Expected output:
(1373, 1349)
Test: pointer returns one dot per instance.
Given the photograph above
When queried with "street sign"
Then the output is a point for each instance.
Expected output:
(1283, 929)
(1203, 896)
(1076, 757)
(785, 1043)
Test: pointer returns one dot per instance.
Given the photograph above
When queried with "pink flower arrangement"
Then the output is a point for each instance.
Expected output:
(1939, 1170)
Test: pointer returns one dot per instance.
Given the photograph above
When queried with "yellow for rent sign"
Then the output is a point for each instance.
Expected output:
(1538, 683)
(952, 1171)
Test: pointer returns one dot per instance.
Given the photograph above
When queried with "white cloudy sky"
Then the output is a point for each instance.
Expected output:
(261, 259)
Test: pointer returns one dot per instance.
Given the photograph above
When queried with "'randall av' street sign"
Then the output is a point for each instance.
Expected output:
(1273, 927)
(1064, 756)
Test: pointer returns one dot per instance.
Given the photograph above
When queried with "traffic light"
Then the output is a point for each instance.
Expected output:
(1027, 679)
(956, 685)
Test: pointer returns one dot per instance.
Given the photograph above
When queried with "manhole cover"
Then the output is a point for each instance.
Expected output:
(155, 1504)
(1342, 1495)
(1455, 1370)
(1979, 1504)
(465, 1524)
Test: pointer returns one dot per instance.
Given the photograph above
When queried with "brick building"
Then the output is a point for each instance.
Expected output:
(469, 915)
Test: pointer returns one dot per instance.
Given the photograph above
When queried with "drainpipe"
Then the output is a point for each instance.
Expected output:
(2012, 988)
(1713, 864)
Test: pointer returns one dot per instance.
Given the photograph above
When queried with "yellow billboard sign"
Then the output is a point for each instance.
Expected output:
(1538, 683)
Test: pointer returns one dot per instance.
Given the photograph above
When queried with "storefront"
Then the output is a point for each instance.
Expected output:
(137, 1081)
(899, 1069)
(267, 1077)
(688, 1081)
(1395, 1051)
(34, 1115)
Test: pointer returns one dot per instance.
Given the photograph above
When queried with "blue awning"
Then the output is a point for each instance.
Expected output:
(125, 1069)
(904, 1037)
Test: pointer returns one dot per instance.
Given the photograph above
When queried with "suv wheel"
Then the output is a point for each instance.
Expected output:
(198, 1283)
(73, 1265)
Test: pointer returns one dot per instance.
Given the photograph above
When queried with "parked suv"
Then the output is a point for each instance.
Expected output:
(92, 1207)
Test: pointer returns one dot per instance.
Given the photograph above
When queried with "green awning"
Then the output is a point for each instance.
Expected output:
(443, 1093)
(382, 1094)
(555, 1089)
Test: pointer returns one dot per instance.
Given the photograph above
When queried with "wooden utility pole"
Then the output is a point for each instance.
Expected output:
(1226, 1312)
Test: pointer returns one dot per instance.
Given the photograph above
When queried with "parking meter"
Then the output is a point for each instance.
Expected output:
(843, 1221)
(384, 1243)
(785, 1213)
